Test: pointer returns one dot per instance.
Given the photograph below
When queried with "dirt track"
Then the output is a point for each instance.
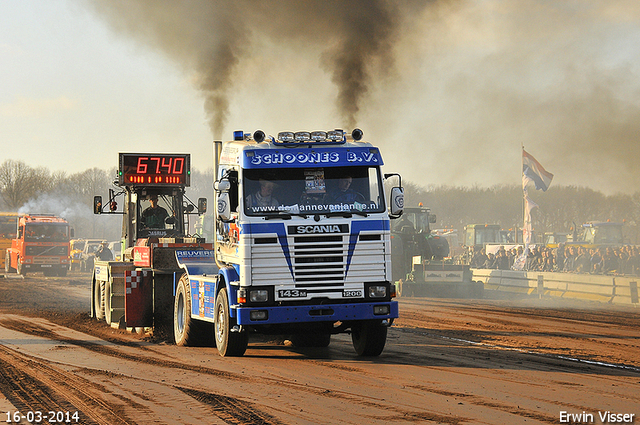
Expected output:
(446, 361)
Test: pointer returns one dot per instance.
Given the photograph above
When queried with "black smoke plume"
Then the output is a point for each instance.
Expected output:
(211, 38)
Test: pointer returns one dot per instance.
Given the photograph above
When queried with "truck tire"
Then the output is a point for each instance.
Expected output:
(7, 264)
(62, 272)
(311, 340)
(369, 337)
(182, 322)
(21, 270)
(107, 302)
(98, 299)
(186, 330)
(228, 343)
(405, 288)
(478, 289)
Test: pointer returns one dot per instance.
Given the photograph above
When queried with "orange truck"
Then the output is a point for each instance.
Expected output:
(41, 245)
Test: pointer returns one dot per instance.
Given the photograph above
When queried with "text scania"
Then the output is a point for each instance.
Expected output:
(319, 229)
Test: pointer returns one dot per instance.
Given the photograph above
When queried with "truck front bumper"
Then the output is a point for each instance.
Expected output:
(316, 313)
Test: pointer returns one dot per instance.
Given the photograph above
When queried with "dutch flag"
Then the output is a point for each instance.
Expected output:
(533, 171)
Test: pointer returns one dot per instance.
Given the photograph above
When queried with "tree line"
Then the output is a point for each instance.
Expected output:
(38, 190)
(559, 209)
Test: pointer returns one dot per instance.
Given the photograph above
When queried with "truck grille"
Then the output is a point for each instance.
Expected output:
(47, 250)
(318, 262)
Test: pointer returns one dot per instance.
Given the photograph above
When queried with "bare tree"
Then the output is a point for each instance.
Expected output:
(20, 182)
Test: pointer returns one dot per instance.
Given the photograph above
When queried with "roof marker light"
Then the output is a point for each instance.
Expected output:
(335, 135)
(318, 136)
(238, 135)
(302, 136)
(286, 136)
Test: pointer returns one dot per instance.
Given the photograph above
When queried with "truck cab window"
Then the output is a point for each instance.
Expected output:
(233, 192)
(159, 215)
(312, 190)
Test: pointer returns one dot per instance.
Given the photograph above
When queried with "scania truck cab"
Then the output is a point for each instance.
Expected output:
(302, 243)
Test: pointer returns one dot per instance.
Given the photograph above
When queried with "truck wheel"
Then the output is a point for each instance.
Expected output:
(182, 322)
(7, 264)
(62, 272)
(98, 299)
(479, 289)
(369, 337)
(107, 302)
(21, 269)
(228, 343)
(186, 330)
(311, 340)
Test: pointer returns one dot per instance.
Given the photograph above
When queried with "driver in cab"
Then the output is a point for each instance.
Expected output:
(344, 193)
(154, 217)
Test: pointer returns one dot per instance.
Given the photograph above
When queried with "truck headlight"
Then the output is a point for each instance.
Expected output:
(377, 291)
(258, 295)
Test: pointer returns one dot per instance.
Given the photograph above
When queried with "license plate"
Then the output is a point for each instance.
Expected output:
(45, 265)
(351, 294)
(292, 293)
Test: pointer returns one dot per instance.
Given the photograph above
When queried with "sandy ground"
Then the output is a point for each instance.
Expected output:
(448, 361)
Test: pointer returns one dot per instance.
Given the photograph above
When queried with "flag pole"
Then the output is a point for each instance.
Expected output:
(524, 206)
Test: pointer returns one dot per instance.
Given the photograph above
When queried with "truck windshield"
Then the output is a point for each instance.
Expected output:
(603, 234)
(305, 191)
(486, 235)
(412, 222)
(8, 227)
(37, 232)
(160, 215)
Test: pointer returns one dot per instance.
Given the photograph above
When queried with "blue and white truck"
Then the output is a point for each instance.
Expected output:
(302, 245)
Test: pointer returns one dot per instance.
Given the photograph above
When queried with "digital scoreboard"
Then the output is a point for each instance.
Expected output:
(154, 169)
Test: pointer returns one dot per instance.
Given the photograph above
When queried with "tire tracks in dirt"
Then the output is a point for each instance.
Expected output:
(30, 385)
(231, 410)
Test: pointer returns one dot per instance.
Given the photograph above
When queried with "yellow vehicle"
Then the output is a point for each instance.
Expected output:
(8, 231)
(75, 252)
(596, 234)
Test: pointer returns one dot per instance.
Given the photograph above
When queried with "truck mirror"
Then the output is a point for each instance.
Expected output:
(97, 204)
(72, 233)
(202, 205)
(223, 207)
(432, 218)
(222, 186)
(397, 202)
(113, 205)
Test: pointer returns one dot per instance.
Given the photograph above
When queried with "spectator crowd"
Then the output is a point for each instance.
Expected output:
(618, 260)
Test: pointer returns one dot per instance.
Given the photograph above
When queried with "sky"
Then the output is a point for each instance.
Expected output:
(449, 90)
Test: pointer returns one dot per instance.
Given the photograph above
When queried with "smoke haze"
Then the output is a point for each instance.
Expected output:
(212, 38)
(450, 90)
